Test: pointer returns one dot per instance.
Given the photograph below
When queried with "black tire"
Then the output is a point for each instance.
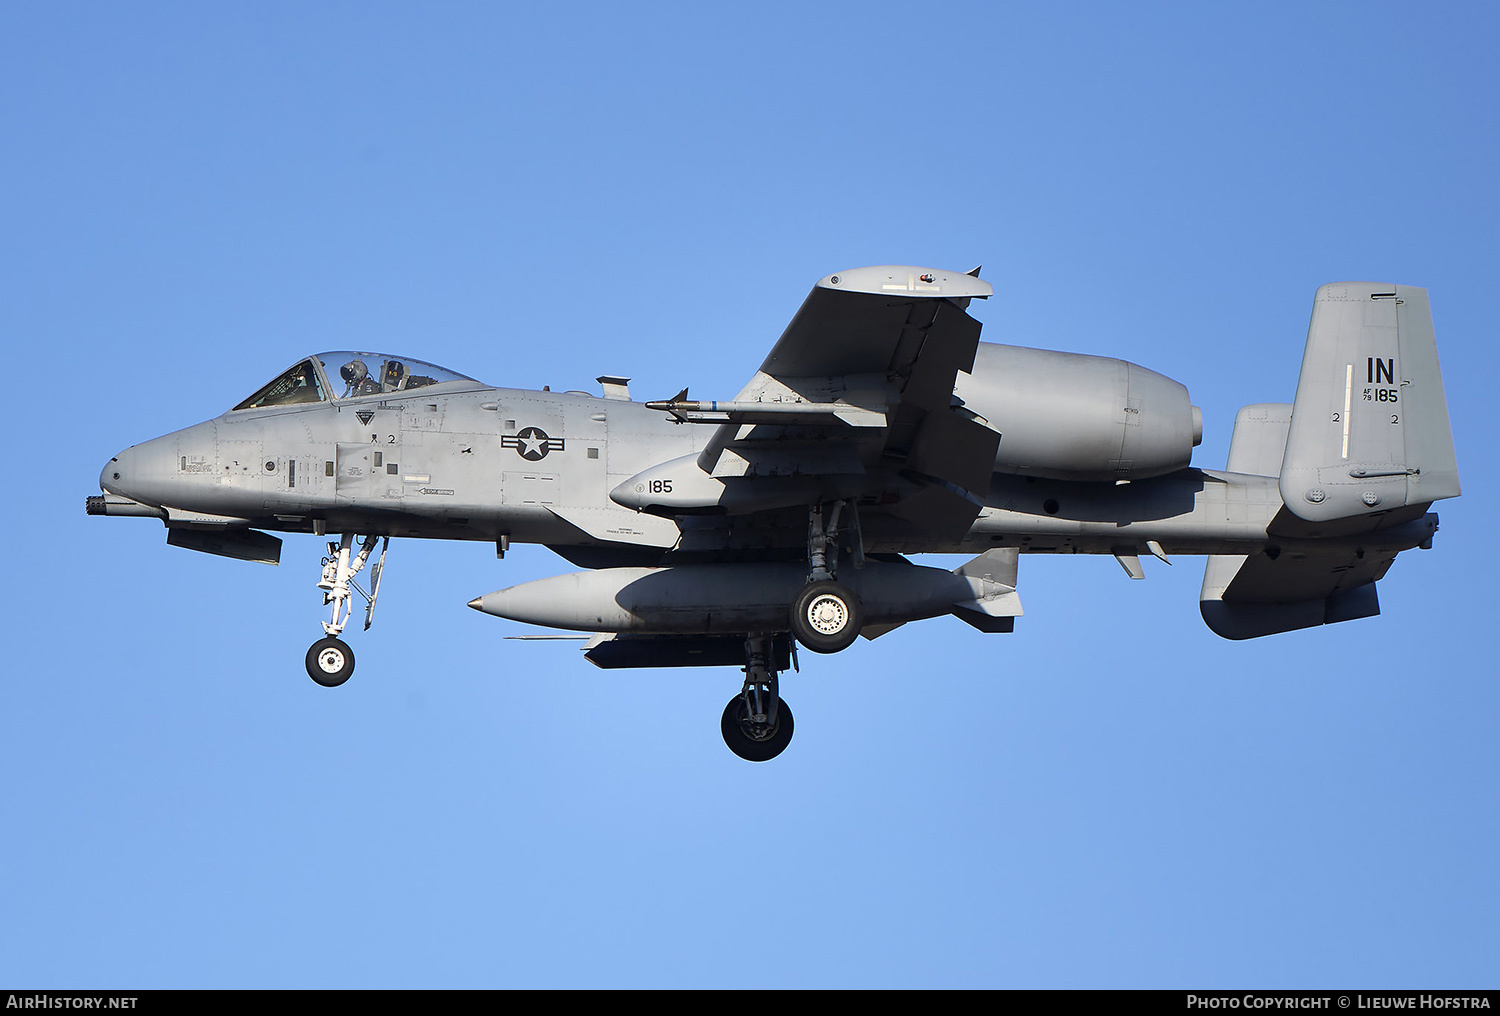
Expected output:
(750, 743)
(826, 617)
(330, 662)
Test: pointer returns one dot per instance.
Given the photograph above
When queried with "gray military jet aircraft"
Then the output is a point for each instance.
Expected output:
(727, 533)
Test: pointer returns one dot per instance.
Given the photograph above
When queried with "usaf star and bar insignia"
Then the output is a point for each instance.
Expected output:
(532, 443)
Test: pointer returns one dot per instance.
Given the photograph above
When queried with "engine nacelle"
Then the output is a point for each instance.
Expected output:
(1070, 416)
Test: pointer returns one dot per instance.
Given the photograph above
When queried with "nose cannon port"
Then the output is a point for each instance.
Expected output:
(114, 504)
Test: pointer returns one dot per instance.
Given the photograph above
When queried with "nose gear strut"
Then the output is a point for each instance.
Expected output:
(330, 661)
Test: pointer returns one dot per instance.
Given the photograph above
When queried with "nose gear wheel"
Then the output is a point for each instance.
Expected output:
(330, 662)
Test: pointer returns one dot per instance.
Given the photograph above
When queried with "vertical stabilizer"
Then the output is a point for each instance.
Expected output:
(1259, 439)
(1369, 430)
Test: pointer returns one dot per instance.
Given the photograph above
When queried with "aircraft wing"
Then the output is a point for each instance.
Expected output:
(860, 386)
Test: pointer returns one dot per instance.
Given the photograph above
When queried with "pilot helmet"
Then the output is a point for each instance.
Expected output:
(354, 372)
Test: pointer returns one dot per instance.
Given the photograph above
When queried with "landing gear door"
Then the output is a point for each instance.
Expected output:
(367, 474)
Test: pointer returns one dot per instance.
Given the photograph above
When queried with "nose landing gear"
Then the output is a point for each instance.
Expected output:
(757, 725)
(330, 661)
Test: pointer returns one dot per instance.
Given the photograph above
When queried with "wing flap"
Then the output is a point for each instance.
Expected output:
(943, 512)
(955, 450)
(932, 352)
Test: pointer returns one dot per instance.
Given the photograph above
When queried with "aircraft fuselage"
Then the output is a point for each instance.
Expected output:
(487, 463)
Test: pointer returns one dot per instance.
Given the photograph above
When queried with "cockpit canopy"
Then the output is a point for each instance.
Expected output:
(349, 375)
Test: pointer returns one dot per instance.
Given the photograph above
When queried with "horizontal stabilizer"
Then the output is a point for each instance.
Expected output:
(1247, 597)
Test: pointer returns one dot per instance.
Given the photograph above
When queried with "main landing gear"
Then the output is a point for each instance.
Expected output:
(330, 661)
(826, 616)
(757, 725)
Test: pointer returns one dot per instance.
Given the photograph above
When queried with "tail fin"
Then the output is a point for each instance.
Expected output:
(1368, 435)
(1369, 430)
(1259, 439)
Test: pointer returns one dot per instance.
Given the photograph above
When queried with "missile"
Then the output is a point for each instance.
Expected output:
(735, 598)
(751, 412)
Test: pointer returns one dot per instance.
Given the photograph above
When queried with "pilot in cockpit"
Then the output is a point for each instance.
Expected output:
(394, 378)
(390, 376)
(357, 379)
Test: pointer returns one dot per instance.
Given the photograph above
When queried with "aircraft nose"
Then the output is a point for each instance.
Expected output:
(112, 476)
(141, 472)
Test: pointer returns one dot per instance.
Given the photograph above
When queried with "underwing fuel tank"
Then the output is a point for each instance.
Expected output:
(727, 598)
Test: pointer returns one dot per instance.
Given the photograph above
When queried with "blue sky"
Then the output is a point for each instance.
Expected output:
(195, 196)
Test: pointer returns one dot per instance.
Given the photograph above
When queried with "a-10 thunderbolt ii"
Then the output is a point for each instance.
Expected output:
(879, 427)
